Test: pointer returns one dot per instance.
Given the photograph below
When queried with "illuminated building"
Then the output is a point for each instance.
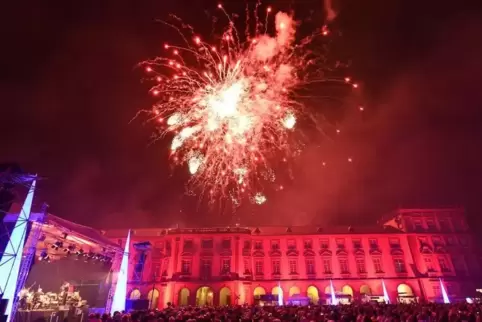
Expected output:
(403, 259)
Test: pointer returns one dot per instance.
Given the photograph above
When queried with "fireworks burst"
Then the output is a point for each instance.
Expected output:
(231, 107)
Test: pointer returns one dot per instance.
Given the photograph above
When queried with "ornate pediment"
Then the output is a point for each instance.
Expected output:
(226, 252)
(341, 252)
(425, 249)
(275, 253)
(309, 252)
(396, 251)
(375, 251)
(440, 249)
(292, 252)
(325, 252)
(359, 252)
(186, 254)
(258, 253)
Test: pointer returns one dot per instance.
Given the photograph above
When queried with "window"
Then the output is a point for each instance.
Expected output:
(247, 267)
(431, 224)
(165, 267)
(225, 265)
(459, 265)
(310, 266)
(357, 243)
(156, 269)
(463, 241)
(360, 265)
(436, 290)
(340, 242)
(186, 267)
(308, 244)
(324, 244)
(207, 243)
(394, 242)
(327, 266)
(276, 267)
(444, 225)
(291, 244)
(188, 245)
(459, 224)
(226, 244)
(417, 224)
(275, 244)
(293, 266)
(450, 240)
(437, 241)
(373, 243)
(377, 264)
(399, 265)
(259, 267)
(443, 264)
(423, 241)
(247, 244)
(344, 266)
(205, 268)
(428, 264)
(258, 244)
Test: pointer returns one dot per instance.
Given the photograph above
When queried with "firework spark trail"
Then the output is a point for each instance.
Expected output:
(232, 114)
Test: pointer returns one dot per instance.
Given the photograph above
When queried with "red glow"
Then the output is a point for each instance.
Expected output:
(148, 69)
(347, 79)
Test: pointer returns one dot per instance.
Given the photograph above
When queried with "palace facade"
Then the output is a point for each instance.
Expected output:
(413, 255)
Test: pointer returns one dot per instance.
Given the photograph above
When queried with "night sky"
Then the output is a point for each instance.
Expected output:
(70, 87)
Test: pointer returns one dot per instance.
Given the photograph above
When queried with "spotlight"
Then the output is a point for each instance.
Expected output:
(44, 256)
(57, 245)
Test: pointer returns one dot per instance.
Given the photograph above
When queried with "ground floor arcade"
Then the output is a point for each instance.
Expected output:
(264, 292)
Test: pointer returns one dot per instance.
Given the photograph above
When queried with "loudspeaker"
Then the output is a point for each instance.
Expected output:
(3, 306)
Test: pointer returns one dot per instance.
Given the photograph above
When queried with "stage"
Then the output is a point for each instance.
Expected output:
(67, 269)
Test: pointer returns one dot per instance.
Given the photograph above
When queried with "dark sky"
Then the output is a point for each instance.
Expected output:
(69, 88)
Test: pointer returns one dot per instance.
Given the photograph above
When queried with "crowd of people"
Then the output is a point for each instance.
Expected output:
(356, 312)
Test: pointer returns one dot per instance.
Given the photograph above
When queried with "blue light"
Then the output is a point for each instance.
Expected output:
(385, 293)
(444, 293)
(12, 256)
(333, 296)
(120, 294)
(280, 295)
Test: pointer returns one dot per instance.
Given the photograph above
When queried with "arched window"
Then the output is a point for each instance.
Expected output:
(204, 296)
(312, 293)
(404, 290)
(258, 291)
(328, 289)
(365, 290)
(347, 290)
(225, 296)
(153, 297)
(183, 298)
(294, 290)
(276, 290)
(135, 294)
